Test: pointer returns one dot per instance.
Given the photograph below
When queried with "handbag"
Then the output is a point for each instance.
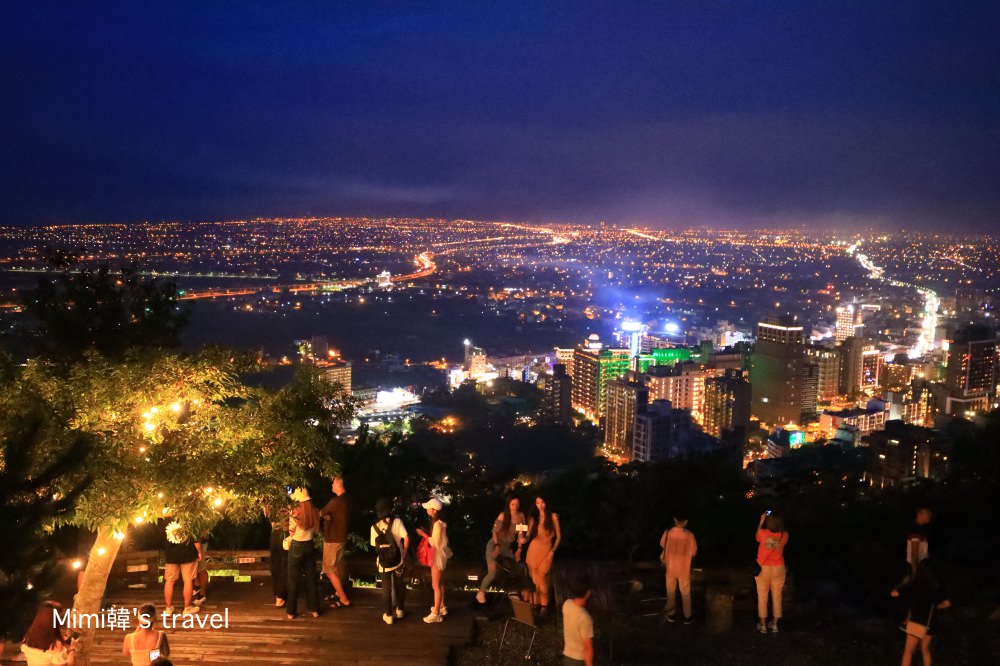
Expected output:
(425, 552)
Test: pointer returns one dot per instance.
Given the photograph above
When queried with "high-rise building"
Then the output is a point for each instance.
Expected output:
(564, 355)
(776, 371)
(849, 323)
(727, 405)
(339, 372)
(860, 365)
(384, 279)
(810, 391)
(625, 399)
(661, 432)
(971, 377)
(828, 362)
(557, 399)
(593, 367)
(682, 384)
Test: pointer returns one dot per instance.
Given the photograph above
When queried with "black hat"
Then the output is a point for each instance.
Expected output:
(383, 508)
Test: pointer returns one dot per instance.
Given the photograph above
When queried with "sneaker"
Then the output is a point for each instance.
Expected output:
(480, 598)
(387, 619)
(278, 602)
(774, 627)
(199, 600)
(399, 613)
(671, 617)
(444, 610)
(191, 610)
(689, 620)
(762, 627)
(433, 618)
(169, 610)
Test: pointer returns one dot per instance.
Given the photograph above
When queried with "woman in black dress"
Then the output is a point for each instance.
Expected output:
(923, 595)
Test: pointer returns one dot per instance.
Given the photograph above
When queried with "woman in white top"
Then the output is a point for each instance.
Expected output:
(44, 644)
(146, 643)
(303, 524)
(439, 542)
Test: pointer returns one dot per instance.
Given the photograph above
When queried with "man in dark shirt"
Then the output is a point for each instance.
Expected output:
(335, 525)
(181, 562)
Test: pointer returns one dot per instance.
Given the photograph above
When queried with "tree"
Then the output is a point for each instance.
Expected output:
(178, 436)
(83, 309)
(27, 562)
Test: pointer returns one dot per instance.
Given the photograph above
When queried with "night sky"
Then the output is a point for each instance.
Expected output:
(838, 114)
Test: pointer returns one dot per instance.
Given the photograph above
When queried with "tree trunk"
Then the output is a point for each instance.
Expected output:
(92, 585)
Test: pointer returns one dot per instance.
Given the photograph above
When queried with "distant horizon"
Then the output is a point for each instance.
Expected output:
(803, 228)
(843, 116)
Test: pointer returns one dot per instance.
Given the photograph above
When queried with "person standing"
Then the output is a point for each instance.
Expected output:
(578, 627)
(923, 594)
(501, 543)
(303, 524)
(679, 548)
(146, 642)
(279, 556)
(335, 528)
(201, 583)
(771, 540)
(918, 538)
(182, 554)
(438, 539)
(545, 536)
(391, 543)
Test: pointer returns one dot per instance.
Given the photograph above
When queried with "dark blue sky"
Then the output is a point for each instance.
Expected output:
(670, 113)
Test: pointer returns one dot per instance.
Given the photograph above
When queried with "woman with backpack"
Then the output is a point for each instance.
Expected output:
(770, 578)
(390, 540)
(438, 539)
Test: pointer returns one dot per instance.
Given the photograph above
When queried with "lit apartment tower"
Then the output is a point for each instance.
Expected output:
(860, 365)
(828, 382)
(557, 402)
(727, 405)
(682, 384)
(564, 355)
(339, 372)
(776, 371)
(625, 399)
(384, 279)
(848, 322)
(972, 370)
(660, 432)
(810, 391)
(593, 367)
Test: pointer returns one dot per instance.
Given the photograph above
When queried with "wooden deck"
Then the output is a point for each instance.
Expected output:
(258, 632)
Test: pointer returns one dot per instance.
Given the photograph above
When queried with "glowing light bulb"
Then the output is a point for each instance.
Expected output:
(139, 520)
(119, 535)
(77, 564)
(149, 426)
(101, 551)
(218, 501)
(176, 407)
(159, 495)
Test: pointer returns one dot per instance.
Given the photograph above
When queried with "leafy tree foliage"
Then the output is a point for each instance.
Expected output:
(82, 309)
(27, 506)
(178, 436)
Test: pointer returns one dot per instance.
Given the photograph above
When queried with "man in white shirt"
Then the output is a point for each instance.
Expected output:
(578, 627)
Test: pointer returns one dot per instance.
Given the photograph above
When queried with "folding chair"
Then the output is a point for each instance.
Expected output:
(522, 615)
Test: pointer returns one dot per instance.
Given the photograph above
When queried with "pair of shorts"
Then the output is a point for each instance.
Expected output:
(188, 571)
(333, 555)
